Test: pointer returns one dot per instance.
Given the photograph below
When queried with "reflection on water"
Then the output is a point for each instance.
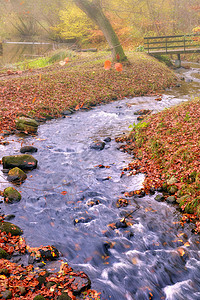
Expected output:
(14, 52)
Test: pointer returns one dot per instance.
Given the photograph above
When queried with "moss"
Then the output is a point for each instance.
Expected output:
(11, 195)
(10, 228)
(24, 161)
(64, 296)
(164, 58)
(26, 124)
(39, 297)
(16, 174)
(3, 254)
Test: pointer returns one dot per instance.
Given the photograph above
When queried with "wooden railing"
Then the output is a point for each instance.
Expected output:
(172, 43)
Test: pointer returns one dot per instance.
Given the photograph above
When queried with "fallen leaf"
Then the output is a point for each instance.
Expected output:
(118, 67)
(107, 65)
(63, 192)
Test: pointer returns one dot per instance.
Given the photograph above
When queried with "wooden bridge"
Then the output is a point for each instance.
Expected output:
(173, 44)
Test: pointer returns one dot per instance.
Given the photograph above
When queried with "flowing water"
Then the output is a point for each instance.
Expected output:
(142, 261)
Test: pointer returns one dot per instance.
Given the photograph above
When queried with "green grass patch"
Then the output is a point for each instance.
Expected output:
(42, 62)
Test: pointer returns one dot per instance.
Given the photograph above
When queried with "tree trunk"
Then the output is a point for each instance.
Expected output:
(94, 11)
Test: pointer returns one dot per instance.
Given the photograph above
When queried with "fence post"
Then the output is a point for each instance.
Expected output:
(178, 61)
(148, 44)
(166, 44)
(184, 43)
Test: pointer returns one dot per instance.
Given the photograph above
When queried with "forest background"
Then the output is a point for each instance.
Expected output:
(62, 20)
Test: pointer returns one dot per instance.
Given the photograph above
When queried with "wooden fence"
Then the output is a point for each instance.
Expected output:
(173, 44)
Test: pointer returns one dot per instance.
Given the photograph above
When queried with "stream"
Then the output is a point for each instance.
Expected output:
(68, 202)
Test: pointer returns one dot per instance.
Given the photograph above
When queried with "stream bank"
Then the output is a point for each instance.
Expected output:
(81, 83)
(70, 202)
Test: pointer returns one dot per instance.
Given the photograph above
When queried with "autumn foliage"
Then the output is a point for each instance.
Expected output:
(167, 145)
(24, 282)
(45, 93)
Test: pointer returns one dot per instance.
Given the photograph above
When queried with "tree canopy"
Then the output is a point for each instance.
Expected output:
(131, 19)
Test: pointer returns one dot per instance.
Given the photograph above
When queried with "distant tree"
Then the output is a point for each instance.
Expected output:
(74, 24)
(94, 11)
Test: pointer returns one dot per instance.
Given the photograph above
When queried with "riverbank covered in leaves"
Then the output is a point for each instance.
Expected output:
(166, 147)
(49, 93)
(80, 83)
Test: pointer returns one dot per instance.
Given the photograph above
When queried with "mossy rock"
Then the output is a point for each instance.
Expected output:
(7, 294)
(172, 180)
(10, 228)
(172, 189)
(26, 125)
(3, 254)
(39, 297)
(64, 296)
(23, 161)
(159, 198)
(171, 199)
(11, 195)
(16, 174)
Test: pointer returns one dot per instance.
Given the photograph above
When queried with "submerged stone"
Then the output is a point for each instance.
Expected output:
(11, 195)
(121, 224)
(159, 198)
(107, 140)
(26, 125)
(16, 174)
(98, 146)
(29, 149)
(10, 228)
(23, 161)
